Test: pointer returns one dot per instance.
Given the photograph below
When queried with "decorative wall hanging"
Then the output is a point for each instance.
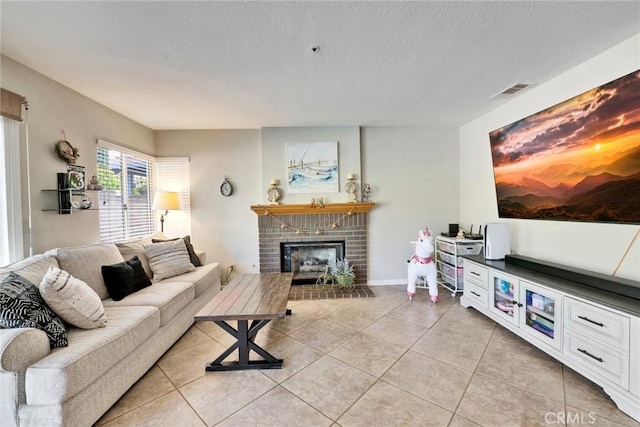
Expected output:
(576, 161)
(313, 167)
(317, 230)
(76, 178)
(65, 151)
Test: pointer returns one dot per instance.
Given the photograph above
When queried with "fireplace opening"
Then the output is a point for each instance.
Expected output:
(308, 260)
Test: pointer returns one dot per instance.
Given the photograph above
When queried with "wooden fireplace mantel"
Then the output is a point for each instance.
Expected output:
(300, 209)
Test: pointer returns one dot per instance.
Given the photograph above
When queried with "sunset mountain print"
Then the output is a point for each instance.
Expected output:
(576, 161)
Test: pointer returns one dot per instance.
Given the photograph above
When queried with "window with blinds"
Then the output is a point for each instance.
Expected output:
(172, 174)
(127, 187)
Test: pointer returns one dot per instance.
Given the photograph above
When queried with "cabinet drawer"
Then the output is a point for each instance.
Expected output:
(450, 259)
(605, 362)
(598, 323)
(476, 294)
(476, 273)
(446, 246)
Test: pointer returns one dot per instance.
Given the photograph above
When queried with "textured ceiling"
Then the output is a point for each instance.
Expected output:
(225, 65)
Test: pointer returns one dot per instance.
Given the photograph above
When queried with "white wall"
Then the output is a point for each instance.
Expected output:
(274, 158)
(413, 173)
(225, 227)
(53, 107)
(592, 246)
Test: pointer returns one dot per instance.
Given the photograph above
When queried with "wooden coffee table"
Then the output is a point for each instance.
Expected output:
(258, 298)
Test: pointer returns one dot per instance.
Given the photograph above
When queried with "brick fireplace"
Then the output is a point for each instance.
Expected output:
(300, 223)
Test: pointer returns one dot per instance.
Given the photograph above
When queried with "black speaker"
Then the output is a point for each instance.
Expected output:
(453, 229)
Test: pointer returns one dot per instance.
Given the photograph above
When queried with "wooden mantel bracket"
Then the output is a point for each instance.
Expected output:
(300, 209)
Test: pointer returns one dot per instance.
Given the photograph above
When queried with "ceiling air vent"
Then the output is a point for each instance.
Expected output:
(512, 90)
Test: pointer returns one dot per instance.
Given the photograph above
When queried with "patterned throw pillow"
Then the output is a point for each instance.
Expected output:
(187, 241)
(72, 299)
(125, 278)
(168, 259)
(21, 306)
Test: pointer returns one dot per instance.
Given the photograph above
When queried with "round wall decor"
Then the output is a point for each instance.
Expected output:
(67, 152)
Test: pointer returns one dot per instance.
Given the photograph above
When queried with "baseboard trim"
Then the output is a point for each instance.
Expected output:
(392, 282)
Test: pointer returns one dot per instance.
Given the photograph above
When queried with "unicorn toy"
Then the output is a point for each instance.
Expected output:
(422, 264)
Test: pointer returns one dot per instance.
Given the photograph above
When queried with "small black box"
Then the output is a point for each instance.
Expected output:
(453, 229)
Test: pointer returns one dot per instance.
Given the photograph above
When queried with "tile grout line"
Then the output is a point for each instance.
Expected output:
(466, 389)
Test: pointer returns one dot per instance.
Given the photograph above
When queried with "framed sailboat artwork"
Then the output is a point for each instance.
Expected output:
(312, 167)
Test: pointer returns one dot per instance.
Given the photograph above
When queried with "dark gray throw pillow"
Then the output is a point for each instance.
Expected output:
(125, 278)
(187, 241)
(22, 306)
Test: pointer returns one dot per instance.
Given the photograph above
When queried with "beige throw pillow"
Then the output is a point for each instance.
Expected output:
(168, 259)
(131, 249)
(72, 299)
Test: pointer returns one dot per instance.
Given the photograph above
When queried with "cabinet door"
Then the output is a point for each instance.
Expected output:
(541, 313)
(504, 295)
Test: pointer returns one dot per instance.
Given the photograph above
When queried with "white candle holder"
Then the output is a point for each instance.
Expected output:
(351, 188)
(274, 194)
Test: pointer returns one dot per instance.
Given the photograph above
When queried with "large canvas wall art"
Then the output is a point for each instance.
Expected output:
(313, 167)
(576, 161)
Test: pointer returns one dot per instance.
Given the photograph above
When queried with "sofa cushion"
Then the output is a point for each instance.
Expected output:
(33, 268)
(202, 278)
(85, 262)
(170, 298)
(125, 278)
(72, 299)
(21, 306)
(168, 259)
(187, 242)
(91, 352)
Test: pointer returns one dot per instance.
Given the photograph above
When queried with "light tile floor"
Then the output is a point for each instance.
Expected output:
(380, 361)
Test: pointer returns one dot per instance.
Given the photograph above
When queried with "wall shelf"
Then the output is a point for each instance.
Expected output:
(63, 198)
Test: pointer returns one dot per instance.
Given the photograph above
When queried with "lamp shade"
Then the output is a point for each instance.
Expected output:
(166, 200)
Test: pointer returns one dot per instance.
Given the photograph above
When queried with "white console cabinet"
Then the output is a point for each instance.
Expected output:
(595, 338)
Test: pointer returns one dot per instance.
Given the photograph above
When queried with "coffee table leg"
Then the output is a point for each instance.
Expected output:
(243, 343)
(244, 336)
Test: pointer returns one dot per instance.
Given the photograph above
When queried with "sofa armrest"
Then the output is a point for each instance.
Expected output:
(202, 256)
(21, 347)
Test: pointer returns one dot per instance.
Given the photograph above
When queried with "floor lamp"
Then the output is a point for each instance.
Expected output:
(166, 201)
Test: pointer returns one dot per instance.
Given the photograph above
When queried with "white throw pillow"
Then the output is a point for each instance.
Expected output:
(168, 259)
(72, 299)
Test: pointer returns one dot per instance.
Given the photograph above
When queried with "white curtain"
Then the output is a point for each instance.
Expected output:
(11, 241)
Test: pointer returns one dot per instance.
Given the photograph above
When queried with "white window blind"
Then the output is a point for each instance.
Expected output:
(11, 241)
(172, 174)
(127, 187)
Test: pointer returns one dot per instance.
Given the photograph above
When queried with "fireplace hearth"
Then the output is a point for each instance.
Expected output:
(308, 260)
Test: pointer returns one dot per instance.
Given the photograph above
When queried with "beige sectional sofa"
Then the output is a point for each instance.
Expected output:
(76, 385)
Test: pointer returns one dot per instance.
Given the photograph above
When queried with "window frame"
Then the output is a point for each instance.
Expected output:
(126, 207)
